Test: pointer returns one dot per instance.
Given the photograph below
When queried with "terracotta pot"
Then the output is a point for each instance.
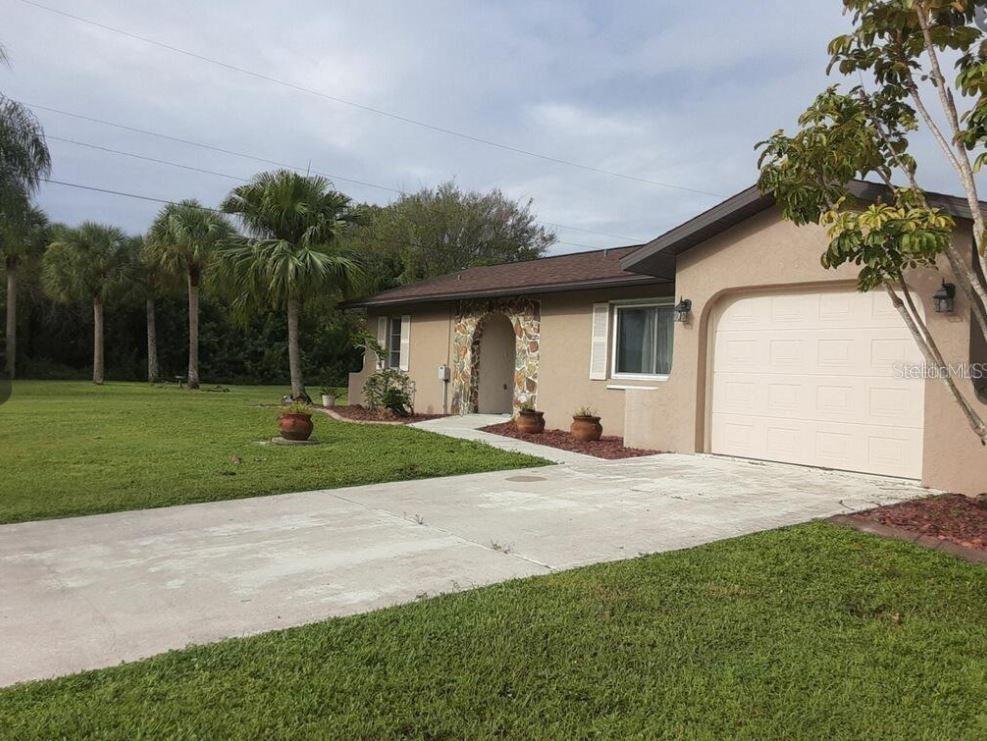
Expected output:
(295, 426)
(586, 429)
(531, 422)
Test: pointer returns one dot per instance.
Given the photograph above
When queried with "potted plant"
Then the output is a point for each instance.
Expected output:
(329, 396)
(295, 421)
(586, 427)
(529, 420)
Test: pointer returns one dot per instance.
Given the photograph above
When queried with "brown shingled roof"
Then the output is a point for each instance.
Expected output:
(580, 270)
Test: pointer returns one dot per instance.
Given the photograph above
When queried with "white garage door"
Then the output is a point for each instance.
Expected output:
(809, 378)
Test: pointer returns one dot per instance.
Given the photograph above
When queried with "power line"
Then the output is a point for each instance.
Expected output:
(361, 106)
(145, 158)
(171, 163)
(165, 201)
(191, 143)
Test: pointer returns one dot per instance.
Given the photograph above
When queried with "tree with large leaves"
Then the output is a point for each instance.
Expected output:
(23, 236)
(868, 130)
(87, 264)
(293, 223)
(185, 239)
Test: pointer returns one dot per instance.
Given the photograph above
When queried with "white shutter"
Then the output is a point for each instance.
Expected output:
(405, 342)
(382, 340)
(598, 349)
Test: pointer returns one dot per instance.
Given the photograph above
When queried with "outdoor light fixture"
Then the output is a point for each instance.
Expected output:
(943, 298)
(682, 310)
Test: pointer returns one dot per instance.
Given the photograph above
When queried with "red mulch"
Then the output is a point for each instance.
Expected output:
(611, 448)
(951, 517)
(360, 413)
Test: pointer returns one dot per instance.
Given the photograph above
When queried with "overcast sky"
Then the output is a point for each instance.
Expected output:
(651, 89)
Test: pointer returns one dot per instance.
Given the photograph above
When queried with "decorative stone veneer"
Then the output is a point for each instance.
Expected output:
(525, 317)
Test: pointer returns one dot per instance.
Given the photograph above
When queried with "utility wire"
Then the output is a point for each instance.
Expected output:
(361, 106)
(191, 143)
(171, 163)
(165, 201)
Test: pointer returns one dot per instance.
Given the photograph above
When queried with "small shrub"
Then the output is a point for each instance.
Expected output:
(527, 406)
(391, 389)
(297, 407)
(584, 412)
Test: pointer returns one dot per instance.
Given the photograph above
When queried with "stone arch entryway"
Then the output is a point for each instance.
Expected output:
(494, 352)
(524, 316)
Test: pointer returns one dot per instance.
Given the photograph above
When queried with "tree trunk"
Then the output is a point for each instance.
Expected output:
(193, 329)
(11, 348)
(934, 357)
(98, 372)
(294, 354)
(152, 342)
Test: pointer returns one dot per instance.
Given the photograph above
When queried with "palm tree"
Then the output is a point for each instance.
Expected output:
(184, 239)
(24, 157)
(24, 163)
(294, 222)
(86, 264)
(147, 281)
(23, 235)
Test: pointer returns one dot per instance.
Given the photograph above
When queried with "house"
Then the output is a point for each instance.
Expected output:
(779, 359)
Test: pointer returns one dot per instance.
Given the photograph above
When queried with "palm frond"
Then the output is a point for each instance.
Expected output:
(24, 157)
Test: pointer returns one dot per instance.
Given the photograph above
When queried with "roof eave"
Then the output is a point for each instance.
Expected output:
(622, 282)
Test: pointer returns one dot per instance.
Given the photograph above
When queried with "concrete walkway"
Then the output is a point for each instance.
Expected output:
(90, 592)
(468, 428)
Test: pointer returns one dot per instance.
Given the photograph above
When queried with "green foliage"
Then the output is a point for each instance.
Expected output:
(886, 239)
(297, 407)
(185, 239)
(24, 157)
(812, 632)
(71, 448)
(527, 406)
(438, 231)
(294, 223)
(85, 263)
(391, 389)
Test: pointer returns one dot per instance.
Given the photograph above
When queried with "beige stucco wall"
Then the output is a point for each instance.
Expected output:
(765, 253)
(564, 383)
(431, 338)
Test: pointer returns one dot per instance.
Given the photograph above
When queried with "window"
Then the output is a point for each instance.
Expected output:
(643, 340)
(394, 342)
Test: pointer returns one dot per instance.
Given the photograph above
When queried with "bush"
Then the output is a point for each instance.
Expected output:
(391, 389)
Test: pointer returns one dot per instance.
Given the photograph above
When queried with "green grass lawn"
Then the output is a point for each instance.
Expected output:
(72, 448)
(813, 631)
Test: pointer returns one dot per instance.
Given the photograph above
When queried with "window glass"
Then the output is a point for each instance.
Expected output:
(644, 340)
(394, 344)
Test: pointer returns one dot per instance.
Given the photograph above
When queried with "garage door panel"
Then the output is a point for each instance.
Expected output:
(810, 379)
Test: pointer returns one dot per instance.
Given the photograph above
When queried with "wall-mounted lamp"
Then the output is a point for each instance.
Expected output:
(943, 299)
(682, 310)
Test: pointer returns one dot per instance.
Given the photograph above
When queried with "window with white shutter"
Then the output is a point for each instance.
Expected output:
(405, 343)
(598, 342)
(382, 340)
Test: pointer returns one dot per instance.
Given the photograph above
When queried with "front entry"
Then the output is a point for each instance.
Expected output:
(814, 378)
(497, 349)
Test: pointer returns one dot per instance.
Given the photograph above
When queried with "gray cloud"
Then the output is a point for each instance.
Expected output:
(653, 89)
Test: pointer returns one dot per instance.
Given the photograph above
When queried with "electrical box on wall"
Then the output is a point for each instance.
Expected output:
(443, 372)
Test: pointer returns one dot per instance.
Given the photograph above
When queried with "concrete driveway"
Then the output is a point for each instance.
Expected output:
(90, 592)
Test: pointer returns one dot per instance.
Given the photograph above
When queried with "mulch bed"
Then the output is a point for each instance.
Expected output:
(610, 448)
(358, 413)
(951, 518)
